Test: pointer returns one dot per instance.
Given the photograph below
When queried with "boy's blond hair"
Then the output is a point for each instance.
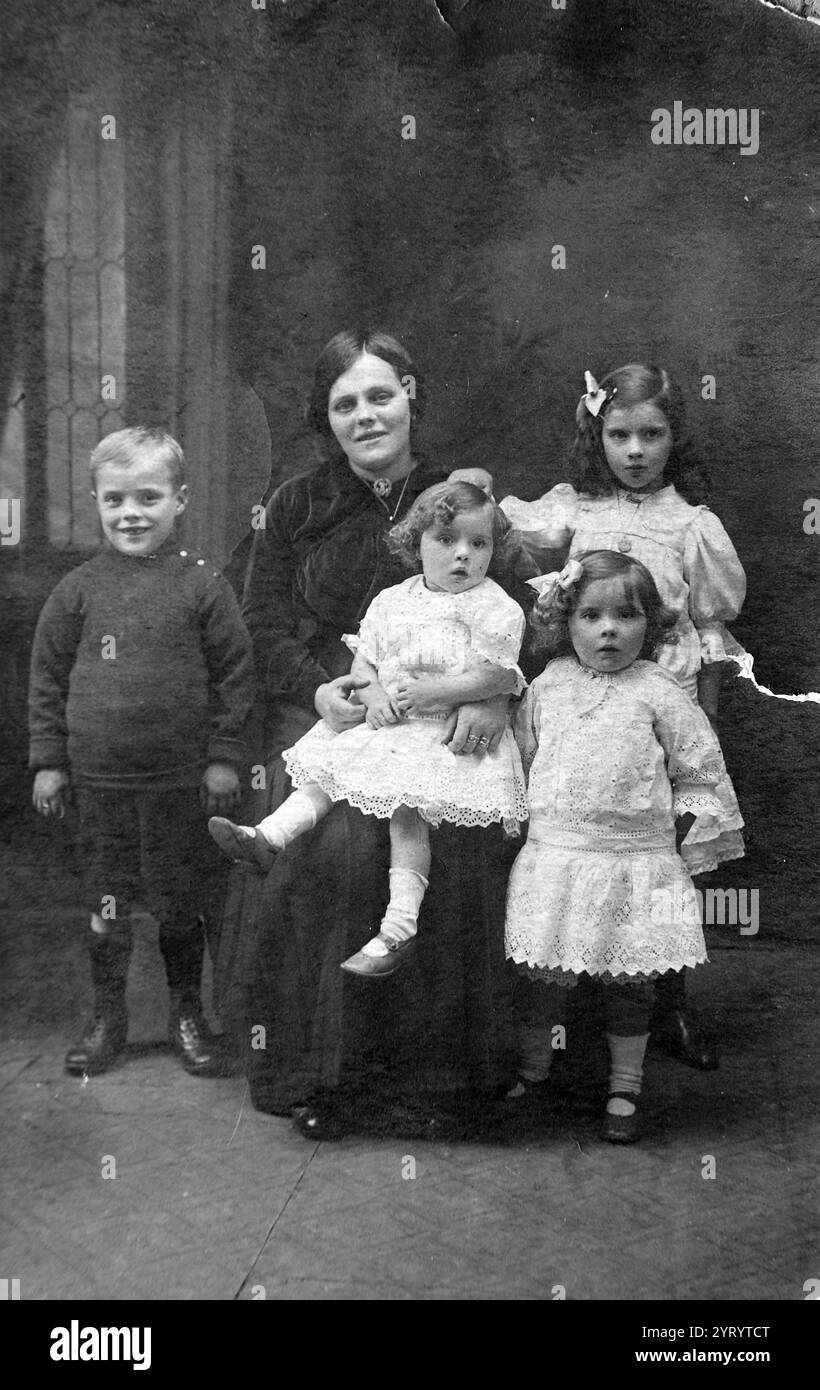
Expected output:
(126, 447)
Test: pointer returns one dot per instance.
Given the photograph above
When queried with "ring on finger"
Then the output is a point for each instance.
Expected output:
(483, 743)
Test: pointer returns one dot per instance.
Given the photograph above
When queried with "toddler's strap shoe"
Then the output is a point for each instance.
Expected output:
(622, 1129)
(241, 845)
(372, 966)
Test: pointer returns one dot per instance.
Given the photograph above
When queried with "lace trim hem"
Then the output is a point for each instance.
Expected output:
(616, 959)
(567, 980)
(511, 814)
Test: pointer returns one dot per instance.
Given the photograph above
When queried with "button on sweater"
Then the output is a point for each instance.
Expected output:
(141, 672)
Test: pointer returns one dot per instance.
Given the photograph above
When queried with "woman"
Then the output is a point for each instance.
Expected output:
(440, 1028)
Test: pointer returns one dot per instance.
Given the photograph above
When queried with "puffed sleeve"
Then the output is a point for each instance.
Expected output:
(496, 632)
(546, 524)
(367, 641)
(717, 584)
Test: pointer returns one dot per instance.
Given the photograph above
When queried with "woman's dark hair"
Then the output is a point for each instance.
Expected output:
(439, 505)
(631, 385)
(550, 616)
(339, 355)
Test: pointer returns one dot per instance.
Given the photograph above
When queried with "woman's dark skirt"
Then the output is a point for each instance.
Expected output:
(441, 1025)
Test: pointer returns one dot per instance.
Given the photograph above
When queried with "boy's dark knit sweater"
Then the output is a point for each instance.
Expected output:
(168, 695)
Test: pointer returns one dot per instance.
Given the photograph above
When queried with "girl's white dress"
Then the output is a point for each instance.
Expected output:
(685, 549)
(691, 559)
(599, 886)
(410, 629)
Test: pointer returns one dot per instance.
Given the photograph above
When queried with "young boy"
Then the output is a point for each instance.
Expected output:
(141, 683)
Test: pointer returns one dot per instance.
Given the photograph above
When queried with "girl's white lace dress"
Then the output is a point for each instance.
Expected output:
(690, 557)
(410, 629)
(686, 550)
(599, 886)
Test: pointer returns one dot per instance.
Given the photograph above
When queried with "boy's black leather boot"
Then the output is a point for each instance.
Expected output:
(104, 1037)
(188, 1032)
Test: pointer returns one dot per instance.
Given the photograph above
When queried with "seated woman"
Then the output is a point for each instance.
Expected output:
(321, 1043)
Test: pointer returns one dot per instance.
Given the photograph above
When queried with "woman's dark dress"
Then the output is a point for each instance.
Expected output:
(442, 1023)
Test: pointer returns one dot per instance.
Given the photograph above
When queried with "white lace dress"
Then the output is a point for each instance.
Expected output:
(686, 550)
(599, 886)
(409, 629)
(690, 557)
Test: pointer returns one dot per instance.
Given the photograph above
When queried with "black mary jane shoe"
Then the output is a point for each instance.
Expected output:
(528, 1095)
(675, 1036)
(525, 1104)
(622, 1129)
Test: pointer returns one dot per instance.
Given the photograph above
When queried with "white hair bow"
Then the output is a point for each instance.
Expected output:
(596, 396)
(544, 584)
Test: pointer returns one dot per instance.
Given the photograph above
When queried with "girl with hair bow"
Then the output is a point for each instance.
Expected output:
(639, 488)
(618, 758)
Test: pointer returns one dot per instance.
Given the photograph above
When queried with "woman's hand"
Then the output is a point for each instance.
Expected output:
(477, 728)
(332, 704)
(50, 791)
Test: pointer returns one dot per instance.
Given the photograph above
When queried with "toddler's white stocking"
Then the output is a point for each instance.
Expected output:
(295, 816)
(626, 1056)
(409, 866)
(407, 889)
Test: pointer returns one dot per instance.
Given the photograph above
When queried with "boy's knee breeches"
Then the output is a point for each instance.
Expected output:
(150, 847)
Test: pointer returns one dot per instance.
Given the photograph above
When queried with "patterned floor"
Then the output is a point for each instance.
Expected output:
(207, 1199)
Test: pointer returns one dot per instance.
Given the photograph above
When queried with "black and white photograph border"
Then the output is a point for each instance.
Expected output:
(196, 196)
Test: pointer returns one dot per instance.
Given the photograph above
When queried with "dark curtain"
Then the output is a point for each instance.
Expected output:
(33, 103)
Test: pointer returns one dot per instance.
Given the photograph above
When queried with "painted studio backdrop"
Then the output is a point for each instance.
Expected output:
(490, 190)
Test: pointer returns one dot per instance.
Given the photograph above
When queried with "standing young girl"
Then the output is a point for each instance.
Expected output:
(617, 754)
(447, 636)
(640, 489)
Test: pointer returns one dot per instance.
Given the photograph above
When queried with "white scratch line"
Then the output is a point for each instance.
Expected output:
(239, 1116)
(745, 663)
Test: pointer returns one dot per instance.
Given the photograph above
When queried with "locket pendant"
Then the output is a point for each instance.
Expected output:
(624, 544)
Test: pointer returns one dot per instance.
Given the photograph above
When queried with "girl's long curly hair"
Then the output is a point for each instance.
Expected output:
(550, 616)
(631, 385)
(439, 505)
